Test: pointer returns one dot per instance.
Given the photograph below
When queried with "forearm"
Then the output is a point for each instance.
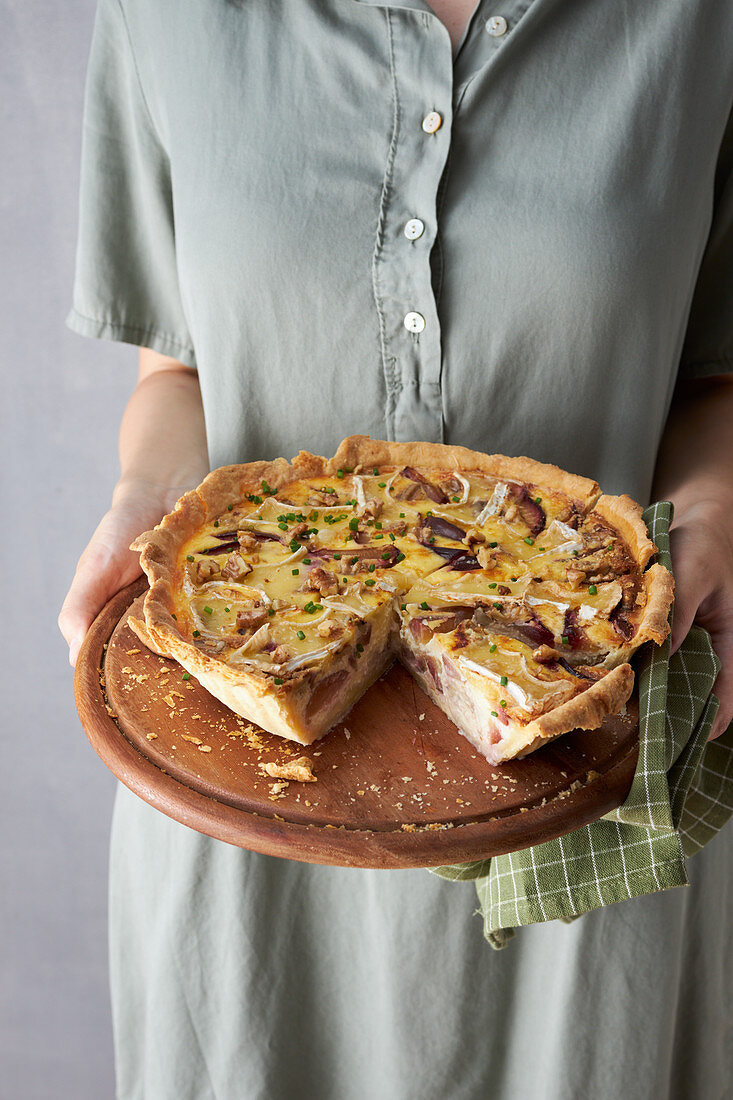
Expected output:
(695, 459)
(162, 436)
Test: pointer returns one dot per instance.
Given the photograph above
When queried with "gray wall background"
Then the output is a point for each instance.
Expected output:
(62, 398)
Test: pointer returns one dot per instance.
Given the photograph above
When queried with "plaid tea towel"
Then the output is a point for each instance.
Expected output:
(681, 795)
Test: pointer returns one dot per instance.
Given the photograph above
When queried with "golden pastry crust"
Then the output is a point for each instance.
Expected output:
(283, 705)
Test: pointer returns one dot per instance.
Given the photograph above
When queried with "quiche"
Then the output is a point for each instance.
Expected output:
(514, 592)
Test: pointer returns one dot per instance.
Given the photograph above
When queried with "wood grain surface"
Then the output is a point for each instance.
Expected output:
(396, 783)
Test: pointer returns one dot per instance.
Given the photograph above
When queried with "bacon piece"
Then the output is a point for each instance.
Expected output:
(250, 619)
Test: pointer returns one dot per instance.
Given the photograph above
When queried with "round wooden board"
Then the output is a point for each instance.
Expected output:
(396, 783)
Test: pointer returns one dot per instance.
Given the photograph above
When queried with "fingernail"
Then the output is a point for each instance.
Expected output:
(74, 648)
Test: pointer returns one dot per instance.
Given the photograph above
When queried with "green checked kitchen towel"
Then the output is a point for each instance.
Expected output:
(681, 795)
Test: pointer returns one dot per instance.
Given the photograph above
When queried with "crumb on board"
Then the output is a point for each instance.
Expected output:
(300, 770)
(152, 736)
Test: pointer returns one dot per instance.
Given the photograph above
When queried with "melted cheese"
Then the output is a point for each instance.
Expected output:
(333, 523)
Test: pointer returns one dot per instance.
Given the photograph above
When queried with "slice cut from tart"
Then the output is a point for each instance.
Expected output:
(505, 695)
(288, 588)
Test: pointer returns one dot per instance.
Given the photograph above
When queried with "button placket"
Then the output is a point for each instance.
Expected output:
(410, 328)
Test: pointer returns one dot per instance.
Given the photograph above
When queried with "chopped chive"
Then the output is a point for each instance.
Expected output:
(529, 541)
(378, 524)
(455, 499)
(294, 545)
(400, 557)
(359, 647)
(512, 578)
(295, 572)
(228, 610)
(354, 561)
(278, 680)
(385, 556)
(538, 500)
(209, 610)
(372, 567)
(493, 584)
(375, 471)
(229, 507)
(300, 634)
(564, 639)
(494, 714)
(392, 536)
(499, 606)
(575, 553)
(370, 582)
(402, 515)
(196, 633)
(282, 525)
(353, 523)
(492, 545)
(339, 473)
(337, 557)
(382, 484)
(307, 561)
(502, 702)
(503, 681)
(492, 647)
(424, 606)
(216, 523)
(592, 590)
(186, 676)
(189, 557)
(378, 537)
(403, 607)
(270, 611)
(173, 616)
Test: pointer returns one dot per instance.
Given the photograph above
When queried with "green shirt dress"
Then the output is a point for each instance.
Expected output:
(520, 249)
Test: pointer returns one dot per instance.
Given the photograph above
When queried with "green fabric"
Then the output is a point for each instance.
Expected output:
(681, 795)
(248, 169)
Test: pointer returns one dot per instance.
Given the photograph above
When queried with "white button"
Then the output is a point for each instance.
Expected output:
(414, 229)
(432, 122)
(414, 322)
(496, 26)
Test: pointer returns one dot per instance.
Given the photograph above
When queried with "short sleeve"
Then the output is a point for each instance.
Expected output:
(126, 280)
(708, 347)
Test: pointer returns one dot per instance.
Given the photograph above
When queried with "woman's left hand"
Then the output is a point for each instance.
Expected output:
(701, 545)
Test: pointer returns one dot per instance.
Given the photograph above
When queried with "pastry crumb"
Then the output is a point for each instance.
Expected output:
(300, 770)
(152, 736)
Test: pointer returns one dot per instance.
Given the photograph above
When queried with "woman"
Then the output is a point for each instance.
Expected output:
(508, 228)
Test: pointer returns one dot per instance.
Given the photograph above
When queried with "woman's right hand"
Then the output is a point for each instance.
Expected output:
(107, 564)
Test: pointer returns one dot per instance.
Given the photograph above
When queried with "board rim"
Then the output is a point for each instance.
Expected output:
(322, 843)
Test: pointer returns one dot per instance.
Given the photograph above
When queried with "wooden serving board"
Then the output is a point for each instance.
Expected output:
(396, 783)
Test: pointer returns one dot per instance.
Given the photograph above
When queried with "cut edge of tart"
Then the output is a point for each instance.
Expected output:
(304, 693)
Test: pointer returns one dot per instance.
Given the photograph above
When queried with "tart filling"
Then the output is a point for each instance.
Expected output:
(513, 591)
